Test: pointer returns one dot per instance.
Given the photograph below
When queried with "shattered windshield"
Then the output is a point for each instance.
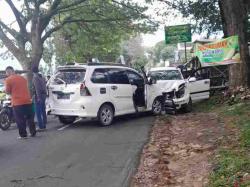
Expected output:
(166, 75)
(69, 76)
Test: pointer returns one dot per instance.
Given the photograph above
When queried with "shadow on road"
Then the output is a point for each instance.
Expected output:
(118, 121)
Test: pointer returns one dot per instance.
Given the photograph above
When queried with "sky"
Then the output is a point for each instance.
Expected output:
(149, 40)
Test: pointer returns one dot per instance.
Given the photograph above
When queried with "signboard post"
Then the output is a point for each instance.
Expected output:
(177, 34)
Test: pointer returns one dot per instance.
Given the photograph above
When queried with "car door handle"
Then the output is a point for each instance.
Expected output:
(114, 87)
(206, 82)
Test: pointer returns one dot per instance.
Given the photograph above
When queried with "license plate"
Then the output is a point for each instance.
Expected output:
(63, 96)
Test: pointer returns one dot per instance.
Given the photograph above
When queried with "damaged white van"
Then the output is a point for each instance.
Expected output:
(101, 91)
(179, 93)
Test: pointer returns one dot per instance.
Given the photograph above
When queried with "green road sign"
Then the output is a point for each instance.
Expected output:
(178, 34)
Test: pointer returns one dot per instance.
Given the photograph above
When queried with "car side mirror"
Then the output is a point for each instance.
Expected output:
(151, 81)
(192, 79)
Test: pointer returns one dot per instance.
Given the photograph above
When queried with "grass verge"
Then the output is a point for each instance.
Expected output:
(232, 161)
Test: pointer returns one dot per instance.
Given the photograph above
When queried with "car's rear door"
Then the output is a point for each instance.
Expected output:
(121, 91)
(64, 88)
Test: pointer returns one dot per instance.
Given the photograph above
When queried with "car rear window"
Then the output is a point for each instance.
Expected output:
(69, 76)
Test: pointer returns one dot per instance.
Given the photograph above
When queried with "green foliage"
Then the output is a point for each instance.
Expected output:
(208, 105)
(164, 52)
(204, 15)
(231, 165)
(232, 162)
(248, 27)
(241, 111)
(139, 63)
(117, 22)
(132, 50)
(91, 28)
(48, 53)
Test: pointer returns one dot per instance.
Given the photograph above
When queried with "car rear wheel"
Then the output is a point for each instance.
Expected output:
(67, 119)
(106, 115)
(157, 107)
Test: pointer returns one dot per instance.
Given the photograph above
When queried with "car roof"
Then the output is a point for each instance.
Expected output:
(72, 65)
(94, 65)
(163, 68)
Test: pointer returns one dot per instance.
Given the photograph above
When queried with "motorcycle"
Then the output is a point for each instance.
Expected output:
(6, 114)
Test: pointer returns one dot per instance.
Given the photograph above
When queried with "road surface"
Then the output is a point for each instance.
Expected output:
(81, 155)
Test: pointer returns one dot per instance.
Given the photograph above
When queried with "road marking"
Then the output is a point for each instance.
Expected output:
(64, 127)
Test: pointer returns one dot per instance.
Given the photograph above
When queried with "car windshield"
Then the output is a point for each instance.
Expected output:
(166, 75)
(69, 76)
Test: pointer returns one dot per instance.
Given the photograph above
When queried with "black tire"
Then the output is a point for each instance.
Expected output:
(157, 106)
(67, 119)
(105, 115)
(188, 107)
(5, 121)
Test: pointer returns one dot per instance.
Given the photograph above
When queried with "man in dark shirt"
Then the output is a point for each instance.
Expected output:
(39, 84)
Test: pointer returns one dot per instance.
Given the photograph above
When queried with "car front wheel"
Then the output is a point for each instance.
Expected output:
(106, 115)
(157, 107)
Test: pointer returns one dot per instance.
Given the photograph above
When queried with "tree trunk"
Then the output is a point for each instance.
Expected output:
(234, 17)
(27, 66)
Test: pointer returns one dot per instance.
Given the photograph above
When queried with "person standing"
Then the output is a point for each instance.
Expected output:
(40, 94)
(17, 87)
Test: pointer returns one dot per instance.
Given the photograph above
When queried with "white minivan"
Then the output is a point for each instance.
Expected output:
(101, 91)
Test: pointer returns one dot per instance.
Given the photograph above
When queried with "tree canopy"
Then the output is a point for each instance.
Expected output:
(37, 20)
(163, 52)
(205, 16)
(80, 41)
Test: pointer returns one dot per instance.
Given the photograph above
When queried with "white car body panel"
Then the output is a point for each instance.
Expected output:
(121, 98)
(197, 90)
(88, 106)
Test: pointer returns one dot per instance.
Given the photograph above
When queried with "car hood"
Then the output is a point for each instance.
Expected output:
(169, 85)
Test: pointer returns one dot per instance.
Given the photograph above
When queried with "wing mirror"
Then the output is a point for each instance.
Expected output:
(151, 81)
(192, 79)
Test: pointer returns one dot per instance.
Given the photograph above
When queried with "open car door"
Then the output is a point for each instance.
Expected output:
(199, 84)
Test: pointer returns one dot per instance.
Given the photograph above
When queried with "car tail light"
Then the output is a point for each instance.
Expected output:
(84, 91)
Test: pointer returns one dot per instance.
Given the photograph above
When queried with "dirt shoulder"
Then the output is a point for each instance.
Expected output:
(179, 151)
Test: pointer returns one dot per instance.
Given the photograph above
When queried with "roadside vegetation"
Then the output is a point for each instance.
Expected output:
(232, 160)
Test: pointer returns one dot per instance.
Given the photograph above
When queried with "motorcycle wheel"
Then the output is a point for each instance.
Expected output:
(5, 121)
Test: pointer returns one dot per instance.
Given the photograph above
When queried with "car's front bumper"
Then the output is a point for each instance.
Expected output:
(176, 103)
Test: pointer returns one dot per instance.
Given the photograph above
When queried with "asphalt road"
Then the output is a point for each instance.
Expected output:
(81, 155)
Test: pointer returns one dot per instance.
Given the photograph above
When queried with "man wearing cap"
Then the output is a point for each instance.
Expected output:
(17, 87)
(40, 93)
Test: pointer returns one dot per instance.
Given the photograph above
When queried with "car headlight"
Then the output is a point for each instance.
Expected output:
(181, 91)
(169, 95)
